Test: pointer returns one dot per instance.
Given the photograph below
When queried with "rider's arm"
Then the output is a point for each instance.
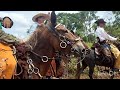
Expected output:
(102, 34)
(108, 37)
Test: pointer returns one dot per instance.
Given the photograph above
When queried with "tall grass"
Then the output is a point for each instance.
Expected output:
(89, 44)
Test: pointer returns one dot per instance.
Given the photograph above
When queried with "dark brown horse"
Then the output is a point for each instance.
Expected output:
(47, 42)
(104, 57)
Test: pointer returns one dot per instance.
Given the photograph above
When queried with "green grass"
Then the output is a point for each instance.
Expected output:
(89, 44)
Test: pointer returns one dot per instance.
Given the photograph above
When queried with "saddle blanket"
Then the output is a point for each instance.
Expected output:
(7, 62)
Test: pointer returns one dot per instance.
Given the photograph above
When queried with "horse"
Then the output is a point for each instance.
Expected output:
(47, 42)
(102, 57)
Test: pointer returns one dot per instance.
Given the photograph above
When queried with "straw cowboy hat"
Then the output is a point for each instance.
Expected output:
(46, 16)
(100, 21)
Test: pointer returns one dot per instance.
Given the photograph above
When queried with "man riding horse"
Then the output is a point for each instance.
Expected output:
(41, 19)
(103, 37)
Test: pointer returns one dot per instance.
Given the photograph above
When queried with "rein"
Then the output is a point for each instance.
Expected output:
(32, 69)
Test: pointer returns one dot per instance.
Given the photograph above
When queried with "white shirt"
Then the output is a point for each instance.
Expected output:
(102, 34)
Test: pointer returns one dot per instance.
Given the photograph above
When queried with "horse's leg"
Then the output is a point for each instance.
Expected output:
(80, 70)
(91, 70)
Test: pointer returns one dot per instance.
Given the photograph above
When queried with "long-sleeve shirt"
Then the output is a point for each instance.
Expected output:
(102, 34)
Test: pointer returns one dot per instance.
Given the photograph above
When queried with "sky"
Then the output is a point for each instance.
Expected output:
(23, 20)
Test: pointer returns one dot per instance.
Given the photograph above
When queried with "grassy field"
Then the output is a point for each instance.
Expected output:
(89, 44)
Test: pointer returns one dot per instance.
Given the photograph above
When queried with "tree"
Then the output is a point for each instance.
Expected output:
(116, 24)
(80, 22)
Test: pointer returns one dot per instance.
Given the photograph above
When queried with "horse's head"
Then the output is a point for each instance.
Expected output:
(67, 40)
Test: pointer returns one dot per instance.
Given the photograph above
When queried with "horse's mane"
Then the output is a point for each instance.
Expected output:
(32, 40)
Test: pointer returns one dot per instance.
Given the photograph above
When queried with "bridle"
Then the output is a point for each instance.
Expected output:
(64, 41)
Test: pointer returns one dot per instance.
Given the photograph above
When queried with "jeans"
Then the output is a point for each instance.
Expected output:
(106, 46)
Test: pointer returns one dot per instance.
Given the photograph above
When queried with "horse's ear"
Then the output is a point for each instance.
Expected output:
(53, 18)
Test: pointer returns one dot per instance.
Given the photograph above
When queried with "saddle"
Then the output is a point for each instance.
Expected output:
(95, 48)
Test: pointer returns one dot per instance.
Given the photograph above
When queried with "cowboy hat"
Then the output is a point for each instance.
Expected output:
(100, 21)
(46, 16)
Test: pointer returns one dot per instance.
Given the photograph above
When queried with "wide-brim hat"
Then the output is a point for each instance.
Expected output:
(46, 16)
(100, 21)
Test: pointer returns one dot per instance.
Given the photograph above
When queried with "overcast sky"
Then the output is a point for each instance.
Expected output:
(23, 20)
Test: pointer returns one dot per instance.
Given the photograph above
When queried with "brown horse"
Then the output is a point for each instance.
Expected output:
(47, 42)
(103, 57)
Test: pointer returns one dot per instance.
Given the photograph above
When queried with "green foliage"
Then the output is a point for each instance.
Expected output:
(80, 22)
(114, 28)
(89, 44)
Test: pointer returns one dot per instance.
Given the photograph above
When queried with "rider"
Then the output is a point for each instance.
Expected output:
(102, 36)
(40, 19)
